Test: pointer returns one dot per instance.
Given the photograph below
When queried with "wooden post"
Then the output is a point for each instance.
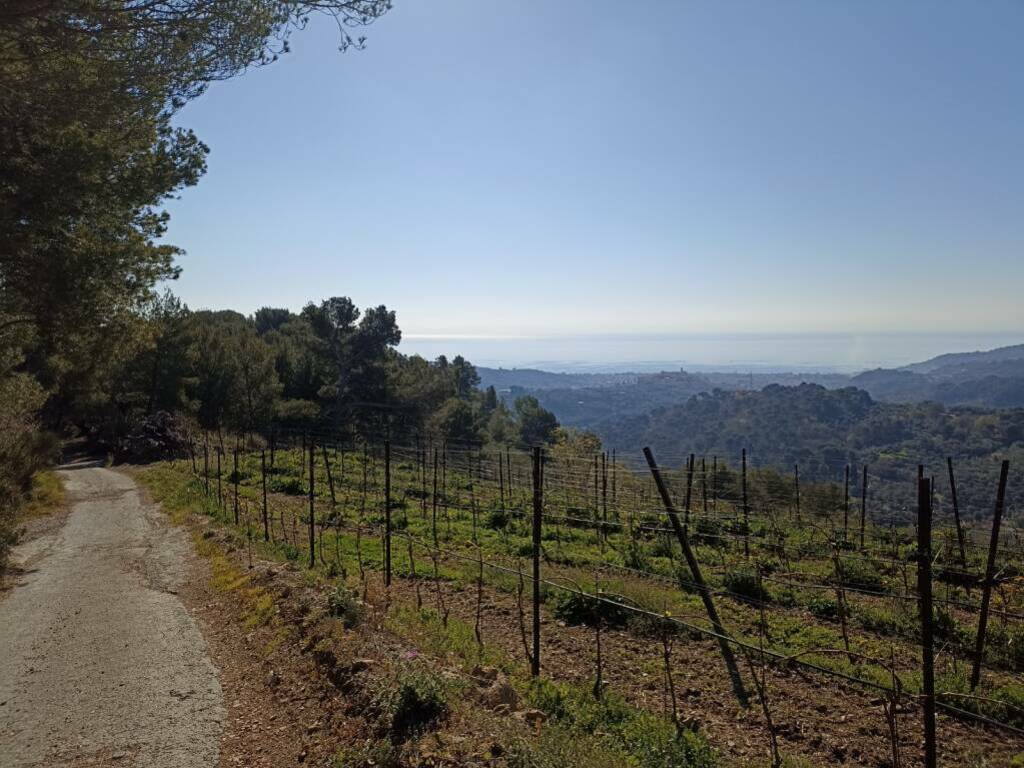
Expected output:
(444, 486)
(714, 483)
(330, 478)
(604, 494)
(689, 489)
(746, 509)
(705, 594)
(206, 468)
(387, 513)
(990, 571)
(273, 447)
(434, 500)
(220, 490)
(501, 481)
(234, 477)
(796, 488)
(423, 481)
(863, 504)
(508, 473)
(312, 509)
(266, 511)
(846, 504)
(538, 509)
(956, 513)
(614, 473)
(704, 484)
(924, 591)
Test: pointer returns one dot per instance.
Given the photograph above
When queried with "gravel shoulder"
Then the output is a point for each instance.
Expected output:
(102, 662)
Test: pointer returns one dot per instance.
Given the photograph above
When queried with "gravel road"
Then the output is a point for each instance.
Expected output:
(100, 663)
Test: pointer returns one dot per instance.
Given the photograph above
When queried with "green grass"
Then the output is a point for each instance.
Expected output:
(799, 618)
(46, 496)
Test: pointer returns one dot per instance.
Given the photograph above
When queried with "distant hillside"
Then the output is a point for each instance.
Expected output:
(583, 399)
(531, 378)
(993, 379)
(823, 430)
(585, 406)
(967, 359)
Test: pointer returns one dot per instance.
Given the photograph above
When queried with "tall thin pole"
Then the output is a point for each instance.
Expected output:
(433, 500)
(689, 489)
(538, 509)
(234, 477)
(990, 571)
(796, 488)
(846, 504)
(604, 494)
(266, 512)
(387, 513)
(614, 489)
(746, 509)
(704, 484)
(863, 504)
(956, 512)
(683, 536)
(312, 510)
(714, 483)
(924, 590)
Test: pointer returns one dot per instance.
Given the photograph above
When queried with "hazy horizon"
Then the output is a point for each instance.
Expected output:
(607, 353)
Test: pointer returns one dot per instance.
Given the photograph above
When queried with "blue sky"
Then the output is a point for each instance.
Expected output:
(585, 167)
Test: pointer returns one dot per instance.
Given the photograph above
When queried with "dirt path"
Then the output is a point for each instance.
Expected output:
(101, 664)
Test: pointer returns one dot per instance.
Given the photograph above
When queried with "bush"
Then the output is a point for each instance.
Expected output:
(746, 585)
(886, 621)
(344, 605)
(160, 435)
(290, 485)
(945, 625)
(861, 574)
(708, 532)
(823, 607)
(1006, 645)
(633, 555)
(497, 519)
(24, 449)
(664, 546)
(417, 702)
(574, 608)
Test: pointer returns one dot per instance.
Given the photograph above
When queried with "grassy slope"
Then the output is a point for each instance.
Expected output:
(581, 731)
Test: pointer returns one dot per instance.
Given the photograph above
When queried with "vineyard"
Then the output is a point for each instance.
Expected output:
(696, 587)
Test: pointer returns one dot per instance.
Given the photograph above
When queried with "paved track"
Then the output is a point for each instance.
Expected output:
(100, 663)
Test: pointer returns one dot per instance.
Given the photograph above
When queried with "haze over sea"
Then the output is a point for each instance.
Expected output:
(824, 352)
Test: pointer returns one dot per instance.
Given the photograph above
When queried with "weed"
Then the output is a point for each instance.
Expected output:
(746, 585)
(574, 608)
(344, 605)
(416, 702)
(644, 739)
(497, 519)
(823, 607)
(378, 753)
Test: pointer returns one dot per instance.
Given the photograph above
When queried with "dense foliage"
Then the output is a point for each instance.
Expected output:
(329, 367)
(824, 430)
(992, 379)
(88, 156)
